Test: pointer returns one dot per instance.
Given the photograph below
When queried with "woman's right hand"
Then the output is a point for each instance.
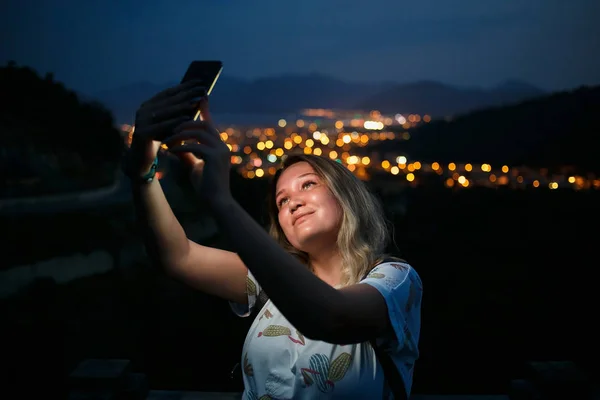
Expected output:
(157, 117)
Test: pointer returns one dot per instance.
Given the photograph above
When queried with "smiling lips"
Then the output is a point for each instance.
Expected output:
(297, 217)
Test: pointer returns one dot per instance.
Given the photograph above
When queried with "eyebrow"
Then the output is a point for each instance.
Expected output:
(298, 177)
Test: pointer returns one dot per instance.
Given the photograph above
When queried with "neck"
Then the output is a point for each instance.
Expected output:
(327, 266)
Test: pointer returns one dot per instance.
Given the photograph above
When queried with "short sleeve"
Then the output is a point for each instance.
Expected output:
(252, 291)
(401, 287)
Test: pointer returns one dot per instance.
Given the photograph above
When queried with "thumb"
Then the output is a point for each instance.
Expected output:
(204, 110)
(189, 159)
(198, 167)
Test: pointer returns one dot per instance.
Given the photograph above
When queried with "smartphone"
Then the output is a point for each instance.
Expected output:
(207, 72)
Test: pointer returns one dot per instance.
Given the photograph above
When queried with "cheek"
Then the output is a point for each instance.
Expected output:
(339, 213)
(333, 209)
(285, 221)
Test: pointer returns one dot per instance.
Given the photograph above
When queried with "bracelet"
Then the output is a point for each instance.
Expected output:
(147, 178)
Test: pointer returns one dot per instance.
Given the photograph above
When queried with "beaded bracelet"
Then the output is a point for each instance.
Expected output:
(147, 178)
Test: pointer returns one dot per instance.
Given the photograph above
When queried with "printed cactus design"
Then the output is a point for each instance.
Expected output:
(275, 330)
(391, 281)
(339, 367)
(266, 314)
(280, 330)
(308, 380)
(324, 373)
(248, 370)
(376, 275)
(252, 395)
(399, 267)
(250, 286)
(319, 363)
(300, 337)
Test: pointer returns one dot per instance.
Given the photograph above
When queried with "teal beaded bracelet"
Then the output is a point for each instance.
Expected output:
(149, 177)
(129, 170)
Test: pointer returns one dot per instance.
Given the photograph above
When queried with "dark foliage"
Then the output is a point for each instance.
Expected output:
(51, 141)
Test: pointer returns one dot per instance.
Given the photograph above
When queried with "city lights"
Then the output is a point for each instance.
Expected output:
(258, 151)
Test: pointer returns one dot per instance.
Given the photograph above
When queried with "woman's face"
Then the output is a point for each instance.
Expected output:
(309, 214)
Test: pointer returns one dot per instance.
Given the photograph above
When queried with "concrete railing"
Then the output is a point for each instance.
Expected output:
(61, 269)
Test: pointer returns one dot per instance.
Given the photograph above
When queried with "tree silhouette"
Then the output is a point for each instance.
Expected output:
(48, 134)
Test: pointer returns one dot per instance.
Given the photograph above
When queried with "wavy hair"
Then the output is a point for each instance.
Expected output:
(363, 235)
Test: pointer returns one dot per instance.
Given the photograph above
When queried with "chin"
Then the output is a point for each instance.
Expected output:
(310, 242)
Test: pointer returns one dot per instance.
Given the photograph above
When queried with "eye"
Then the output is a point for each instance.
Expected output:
(280, 203)
(306, 184)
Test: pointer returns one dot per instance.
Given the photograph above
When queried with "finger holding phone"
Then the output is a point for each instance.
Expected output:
(208, 73)
(201, 140)
(199, 143)
(158, 117)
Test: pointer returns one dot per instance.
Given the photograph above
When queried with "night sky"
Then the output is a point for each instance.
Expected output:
(96, 45)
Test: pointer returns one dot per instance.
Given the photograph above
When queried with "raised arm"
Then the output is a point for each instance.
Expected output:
(218, 272)
(214, 271)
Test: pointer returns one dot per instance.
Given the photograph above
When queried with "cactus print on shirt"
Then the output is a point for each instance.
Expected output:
(278, 362)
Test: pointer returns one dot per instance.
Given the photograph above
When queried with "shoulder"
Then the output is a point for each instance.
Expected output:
(393, 273)
(400, 285)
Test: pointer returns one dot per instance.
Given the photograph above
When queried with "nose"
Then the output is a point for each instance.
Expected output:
(295, 203)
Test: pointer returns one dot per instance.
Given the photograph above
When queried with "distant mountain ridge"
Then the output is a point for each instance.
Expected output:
(559, 129)
(291, 93)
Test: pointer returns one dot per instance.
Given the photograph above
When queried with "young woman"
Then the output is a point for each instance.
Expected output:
(339, 320)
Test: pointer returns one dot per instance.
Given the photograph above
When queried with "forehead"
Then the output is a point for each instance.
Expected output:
(293, 172)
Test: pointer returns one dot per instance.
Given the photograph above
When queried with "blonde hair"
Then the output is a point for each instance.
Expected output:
(363, 234)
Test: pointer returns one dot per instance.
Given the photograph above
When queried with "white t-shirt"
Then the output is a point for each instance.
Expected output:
(278, 362)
